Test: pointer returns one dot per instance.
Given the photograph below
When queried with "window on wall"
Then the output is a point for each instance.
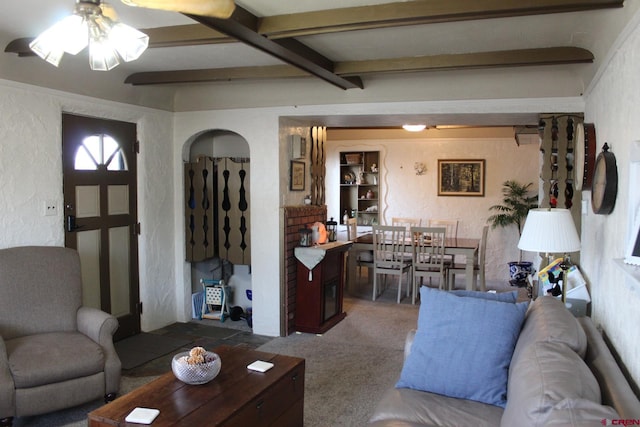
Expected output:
(100, 151)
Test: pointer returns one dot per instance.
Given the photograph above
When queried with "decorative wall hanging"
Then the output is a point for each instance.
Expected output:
(296, 179)
(235, 240)
(199, 233)
(217, 210)
(563, 139)
(318, 164)
(420, 168)
(461, 177)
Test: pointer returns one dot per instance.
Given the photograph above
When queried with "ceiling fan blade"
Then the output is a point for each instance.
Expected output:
(109, 11)
(213, 8)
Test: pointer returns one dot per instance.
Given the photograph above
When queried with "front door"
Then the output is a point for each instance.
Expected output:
(99, 167)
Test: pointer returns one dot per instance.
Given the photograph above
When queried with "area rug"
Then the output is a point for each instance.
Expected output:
(144, 347)
(350, 366)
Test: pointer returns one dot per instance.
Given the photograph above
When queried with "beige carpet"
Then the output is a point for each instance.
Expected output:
(351, 365)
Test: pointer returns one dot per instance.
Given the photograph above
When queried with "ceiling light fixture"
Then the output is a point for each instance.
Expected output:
(109, 41)
(414, 128)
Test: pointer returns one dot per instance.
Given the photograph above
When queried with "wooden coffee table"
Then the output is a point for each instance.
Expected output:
(236, 397)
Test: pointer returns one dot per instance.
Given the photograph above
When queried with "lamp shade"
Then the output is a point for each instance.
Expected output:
(549, 231)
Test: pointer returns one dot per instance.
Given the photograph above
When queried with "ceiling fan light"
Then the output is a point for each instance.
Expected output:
(47, 50)
(51, 55)
(74, 36)
(68, 35)
(414, 128)
(129, 42)
(109, 41)
(102, 56)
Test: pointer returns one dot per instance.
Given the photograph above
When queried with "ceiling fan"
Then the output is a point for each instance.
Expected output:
(94, 23)
(213, 8)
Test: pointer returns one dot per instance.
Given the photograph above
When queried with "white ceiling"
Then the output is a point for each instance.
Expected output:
(592, 30)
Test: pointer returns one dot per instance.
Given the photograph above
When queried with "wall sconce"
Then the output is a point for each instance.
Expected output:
(298, 146)
(420, 168)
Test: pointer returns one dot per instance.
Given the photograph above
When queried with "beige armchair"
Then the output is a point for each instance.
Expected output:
(54, 353)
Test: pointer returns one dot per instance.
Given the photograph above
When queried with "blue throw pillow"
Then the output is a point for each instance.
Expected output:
(463, 346)
(495, 296)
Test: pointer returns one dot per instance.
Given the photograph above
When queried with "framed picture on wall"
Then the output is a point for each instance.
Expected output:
(461, 177)
(296, 182)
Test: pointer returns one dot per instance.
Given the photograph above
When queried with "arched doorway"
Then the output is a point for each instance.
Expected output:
(217, 212)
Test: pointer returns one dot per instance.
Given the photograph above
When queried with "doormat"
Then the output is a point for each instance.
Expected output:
(144, 347)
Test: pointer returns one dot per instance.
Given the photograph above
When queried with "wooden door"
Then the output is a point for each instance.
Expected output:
(99, 180)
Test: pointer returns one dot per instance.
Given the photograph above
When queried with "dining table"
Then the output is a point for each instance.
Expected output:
(453, 246)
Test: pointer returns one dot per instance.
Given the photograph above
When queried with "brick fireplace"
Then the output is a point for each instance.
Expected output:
(295, 218)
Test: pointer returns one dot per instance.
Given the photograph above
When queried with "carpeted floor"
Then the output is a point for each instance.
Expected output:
(347, 368)
(351, 365)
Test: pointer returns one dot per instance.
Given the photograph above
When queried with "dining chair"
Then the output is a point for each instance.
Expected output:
(478, 265)
(452, 233)
(390, 256)
(450, 224)
(363, 258)
(406, 222)
(428, 256)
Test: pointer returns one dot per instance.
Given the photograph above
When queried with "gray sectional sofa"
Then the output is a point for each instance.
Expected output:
(561, 374)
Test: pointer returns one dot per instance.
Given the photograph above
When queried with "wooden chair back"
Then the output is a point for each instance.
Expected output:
(352, 228)
(406, 222)
(450, 224)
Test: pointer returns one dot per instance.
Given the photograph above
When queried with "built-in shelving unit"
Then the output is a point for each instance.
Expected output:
(360, 186)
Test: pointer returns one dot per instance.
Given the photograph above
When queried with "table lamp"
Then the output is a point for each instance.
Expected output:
(551, 230)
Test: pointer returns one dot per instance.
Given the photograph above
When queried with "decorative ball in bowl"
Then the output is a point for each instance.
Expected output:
(197, 366)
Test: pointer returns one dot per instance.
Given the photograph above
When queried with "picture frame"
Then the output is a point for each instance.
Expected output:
(297, 176)
(461, 177)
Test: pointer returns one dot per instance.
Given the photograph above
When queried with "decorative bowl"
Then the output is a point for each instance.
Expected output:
(200, 373)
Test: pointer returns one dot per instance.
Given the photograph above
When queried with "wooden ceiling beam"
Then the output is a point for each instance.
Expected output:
(356, 18)
(505, 58)
(416, 12)
(508, 58)
(214, 75)
(242, 26)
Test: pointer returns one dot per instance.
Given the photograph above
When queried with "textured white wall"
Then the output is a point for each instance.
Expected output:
(31, 172)
(405, 194)
(260, 129)
(613, 105)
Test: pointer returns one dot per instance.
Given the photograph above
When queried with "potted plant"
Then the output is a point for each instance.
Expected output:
(516, 202)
